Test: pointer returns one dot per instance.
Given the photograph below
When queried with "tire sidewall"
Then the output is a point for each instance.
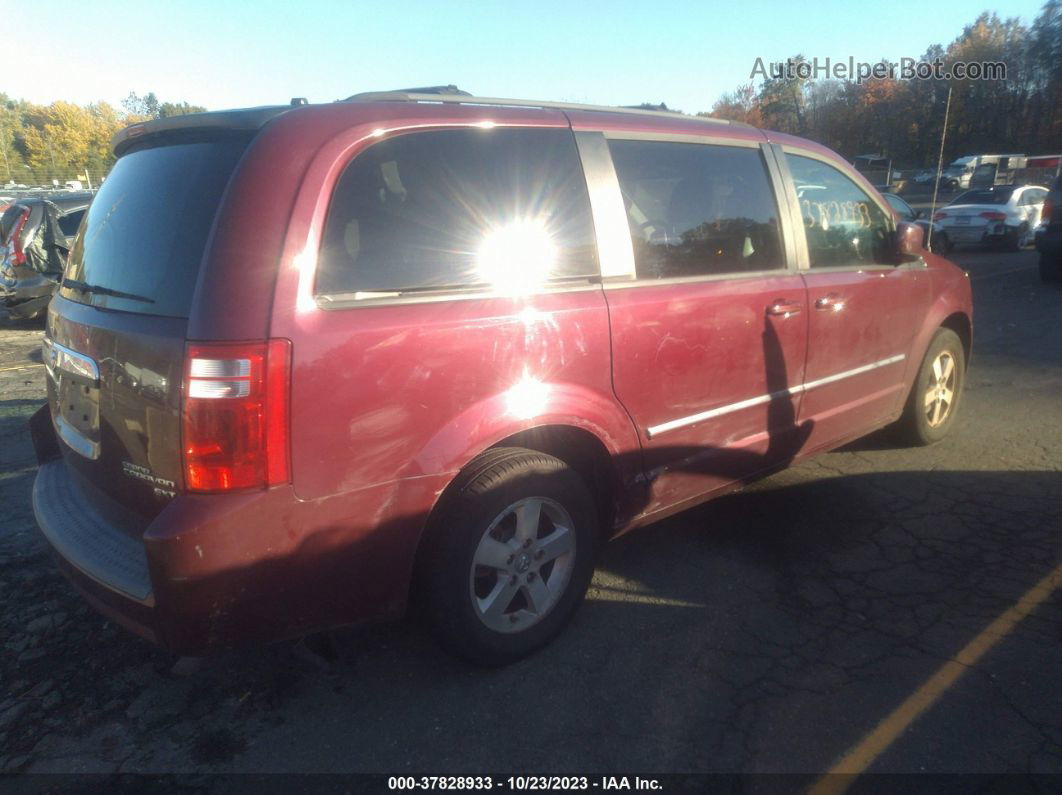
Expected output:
(457, 536)
(1021, 237)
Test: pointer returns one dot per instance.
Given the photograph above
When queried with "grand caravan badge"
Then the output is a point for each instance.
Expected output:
(162, 486)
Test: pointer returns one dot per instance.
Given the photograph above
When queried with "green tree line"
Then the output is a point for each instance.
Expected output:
(63, 141)
(904, 118)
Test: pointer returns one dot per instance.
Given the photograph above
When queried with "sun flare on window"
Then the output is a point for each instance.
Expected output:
(517, 257)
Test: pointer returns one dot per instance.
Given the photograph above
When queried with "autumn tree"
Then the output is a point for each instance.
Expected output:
(741, 104)
(149, 107)
(904, 118)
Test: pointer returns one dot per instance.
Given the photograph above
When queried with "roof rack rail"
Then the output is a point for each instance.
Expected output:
(458, 97)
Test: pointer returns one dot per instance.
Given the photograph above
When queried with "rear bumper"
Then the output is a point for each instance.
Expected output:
(220, 571)
(967, 234)
(26, 298)
(84, 539)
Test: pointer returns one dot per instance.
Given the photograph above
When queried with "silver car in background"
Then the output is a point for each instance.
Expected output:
(1000, 216)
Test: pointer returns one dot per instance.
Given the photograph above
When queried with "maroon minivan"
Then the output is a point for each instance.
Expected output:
(311, 364)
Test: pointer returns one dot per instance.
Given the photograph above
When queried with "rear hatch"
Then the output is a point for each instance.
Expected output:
(116, 332)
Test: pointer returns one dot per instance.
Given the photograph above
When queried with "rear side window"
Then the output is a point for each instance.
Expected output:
(146, 230)
(497, 208)
(844, 227)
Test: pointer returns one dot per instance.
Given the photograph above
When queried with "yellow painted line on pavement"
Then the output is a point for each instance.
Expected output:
(843, 774)
(20, 367)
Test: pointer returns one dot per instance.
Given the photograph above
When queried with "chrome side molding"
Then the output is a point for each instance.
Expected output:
(692, 419)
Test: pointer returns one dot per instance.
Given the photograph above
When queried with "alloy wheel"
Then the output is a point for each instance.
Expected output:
(940, 392)
(522, 565)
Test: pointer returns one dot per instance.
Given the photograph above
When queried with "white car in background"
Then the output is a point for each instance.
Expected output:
(1003, 215)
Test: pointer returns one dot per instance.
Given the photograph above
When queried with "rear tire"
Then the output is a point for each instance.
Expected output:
(508, 557)
(939, 244)
(1050, 268)
(937, 391)
(1017, 239)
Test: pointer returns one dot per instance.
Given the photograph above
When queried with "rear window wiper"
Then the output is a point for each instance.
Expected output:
(85, 287)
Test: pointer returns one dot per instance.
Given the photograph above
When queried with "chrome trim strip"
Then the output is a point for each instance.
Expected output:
(77, 442)
(63, 358)
(866, 368)
(615, 249)
(685, 138)
(705, 278)
(794, 216)
(342, 301)
(720, 411)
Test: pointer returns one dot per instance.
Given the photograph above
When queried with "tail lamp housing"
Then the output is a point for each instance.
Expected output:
(18, 255)
(235, 415)
(992, 215)
(1046, 210)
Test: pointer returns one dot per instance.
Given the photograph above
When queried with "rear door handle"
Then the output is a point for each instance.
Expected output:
(830, 301)
(784, 307)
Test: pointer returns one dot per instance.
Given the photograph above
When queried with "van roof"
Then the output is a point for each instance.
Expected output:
(250, 119)
(463, 98)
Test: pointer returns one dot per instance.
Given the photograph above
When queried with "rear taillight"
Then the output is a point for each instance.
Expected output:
(18, 255)
(939, 214)
(1045, 213)
(234, 422)
(992, 215)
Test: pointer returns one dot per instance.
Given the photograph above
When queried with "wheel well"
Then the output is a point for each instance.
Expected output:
(584, 453)
(960, 324)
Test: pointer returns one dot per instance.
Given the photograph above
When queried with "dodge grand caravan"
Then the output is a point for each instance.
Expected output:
(312, 364)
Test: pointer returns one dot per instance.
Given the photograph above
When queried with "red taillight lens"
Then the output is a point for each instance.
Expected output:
(1045, 212)
(235, 417)
(939, 214)
(994, 216)
(16, 239)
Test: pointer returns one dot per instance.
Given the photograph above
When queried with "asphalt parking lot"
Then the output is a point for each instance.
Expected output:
(895, 610)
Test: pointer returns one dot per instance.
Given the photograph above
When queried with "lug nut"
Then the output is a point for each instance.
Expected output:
(509, 562)
(512, 580)
(539, 555)
(530, 576)
(527, 543)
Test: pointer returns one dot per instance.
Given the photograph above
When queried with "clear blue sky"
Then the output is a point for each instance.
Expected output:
(222, 54)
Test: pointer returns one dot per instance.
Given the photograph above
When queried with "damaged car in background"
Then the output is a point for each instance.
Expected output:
(35, 237)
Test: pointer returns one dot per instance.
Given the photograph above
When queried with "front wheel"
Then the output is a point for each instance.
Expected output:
(934, 400)
(509, 557)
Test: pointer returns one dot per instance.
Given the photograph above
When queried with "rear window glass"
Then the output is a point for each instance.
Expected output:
(145, 231)
(984, 197)
(459, 209)
(70, 222)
